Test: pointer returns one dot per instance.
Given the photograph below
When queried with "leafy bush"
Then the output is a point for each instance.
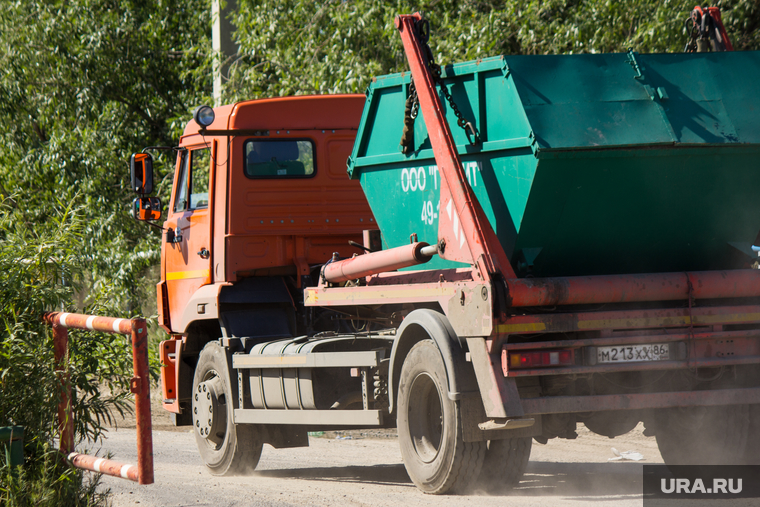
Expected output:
(49, 482)
(83, 83)
(42, 268)
(82, 86)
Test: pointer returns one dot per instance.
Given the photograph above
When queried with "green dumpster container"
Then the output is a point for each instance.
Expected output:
(12, 444)
(589, 164)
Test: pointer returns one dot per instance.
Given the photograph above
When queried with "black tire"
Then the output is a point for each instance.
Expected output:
(752, 451)
(226, 448)
(430, 428)
(505, 463)
(704, 435)
(612, 423)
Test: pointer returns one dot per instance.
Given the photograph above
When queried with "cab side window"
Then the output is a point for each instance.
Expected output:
(180, 198)
(200, 163)
(193, 183)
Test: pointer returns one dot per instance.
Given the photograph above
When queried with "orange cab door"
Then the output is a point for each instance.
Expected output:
(188, 245)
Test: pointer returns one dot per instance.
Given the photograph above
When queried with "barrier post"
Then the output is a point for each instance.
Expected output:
(140, 386)
(65, 418)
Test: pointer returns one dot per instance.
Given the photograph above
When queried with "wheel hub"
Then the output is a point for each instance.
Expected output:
(425, 418)
(210, 410)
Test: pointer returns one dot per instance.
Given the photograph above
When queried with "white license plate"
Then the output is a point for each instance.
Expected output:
(633, 353)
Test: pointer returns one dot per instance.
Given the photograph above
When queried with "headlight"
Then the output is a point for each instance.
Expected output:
(203, 116)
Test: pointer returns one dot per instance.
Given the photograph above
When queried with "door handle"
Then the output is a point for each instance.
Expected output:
(204, 253)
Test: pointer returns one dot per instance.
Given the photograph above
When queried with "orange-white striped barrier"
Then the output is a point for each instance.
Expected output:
(139, 385)
(104, 466)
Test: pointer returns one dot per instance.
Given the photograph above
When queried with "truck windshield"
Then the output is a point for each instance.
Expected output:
(283, 158)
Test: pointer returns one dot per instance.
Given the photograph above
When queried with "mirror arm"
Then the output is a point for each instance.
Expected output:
(175, 148)
(153, 225)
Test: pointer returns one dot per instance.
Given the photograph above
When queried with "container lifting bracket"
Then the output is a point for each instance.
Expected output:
(463, 226)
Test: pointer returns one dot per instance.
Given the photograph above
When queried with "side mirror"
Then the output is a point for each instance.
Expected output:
(146, 208)
(141, 170)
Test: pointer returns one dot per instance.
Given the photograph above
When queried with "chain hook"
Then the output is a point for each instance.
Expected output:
(422, 29)
(469, 130)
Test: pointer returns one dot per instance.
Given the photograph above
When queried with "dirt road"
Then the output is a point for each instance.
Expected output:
(369, 472)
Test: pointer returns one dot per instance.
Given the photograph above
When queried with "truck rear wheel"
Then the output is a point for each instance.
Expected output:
(704, 435)
(226, 448)
(752, 451)
(505, 463)
(430, 428)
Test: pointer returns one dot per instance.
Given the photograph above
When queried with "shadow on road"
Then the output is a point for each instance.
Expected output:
(587, 481)
(372, 474)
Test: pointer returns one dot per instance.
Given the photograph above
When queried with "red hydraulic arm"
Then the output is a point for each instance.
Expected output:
(715, 13)
(707, 31)
(464, 233)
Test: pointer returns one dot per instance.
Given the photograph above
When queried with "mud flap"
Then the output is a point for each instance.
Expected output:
(473, 414)
(500, 397)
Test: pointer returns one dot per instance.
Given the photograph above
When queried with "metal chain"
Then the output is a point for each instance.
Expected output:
(413, 103)
(415, 110)
(691, 44)
(411, 109)
(705, 34)
(462, 122)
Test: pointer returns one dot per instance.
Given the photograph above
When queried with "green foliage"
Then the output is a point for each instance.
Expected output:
(47, 481)
(83, 85)
(304, 47)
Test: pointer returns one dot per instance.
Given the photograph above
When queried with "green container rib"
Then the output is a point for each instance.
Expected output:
(589, 164)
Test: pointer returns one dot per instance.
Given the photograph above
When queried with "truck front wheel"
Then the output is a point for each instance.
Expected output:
(226, 448)
(430, 428)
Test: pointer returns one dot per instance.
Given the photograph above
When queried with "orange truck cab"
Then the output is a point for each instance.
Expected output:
(260, 196)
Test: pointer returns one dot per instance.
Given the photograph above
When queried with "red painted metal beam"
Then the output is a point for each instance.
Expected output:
(65, 419)
(139, 384)
(89, 322)
(466, 232)
(630, 319)
(713, 362)
(628, 339)
(740, 283)
(570, 404)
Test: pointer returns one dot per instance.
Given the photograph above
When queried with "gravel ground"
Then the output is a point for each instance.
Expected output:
(365, 469)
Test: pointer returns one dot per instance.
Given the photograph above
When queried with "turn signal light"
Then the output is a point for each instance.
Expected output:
(541, 358)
